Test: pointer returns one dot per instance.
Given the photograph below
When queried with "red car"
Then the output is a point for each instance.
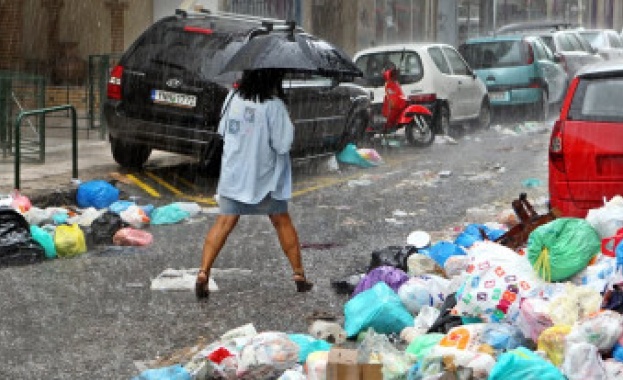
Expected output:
(586, 145)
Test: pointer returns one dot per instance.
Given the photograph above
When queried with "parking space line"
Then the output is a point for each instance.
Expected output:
(324, 183)
(145, 187)
(209, 201)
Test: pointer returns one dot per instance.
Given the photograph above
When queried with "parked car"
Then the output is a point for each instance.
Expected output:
(432, 74)
(519, 71)
(585, 151)
(570, 49)
(607, 42)
(167, 92)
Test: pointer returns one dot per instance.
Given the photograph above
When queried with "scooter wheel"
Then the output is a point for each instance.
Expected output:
(419, 132)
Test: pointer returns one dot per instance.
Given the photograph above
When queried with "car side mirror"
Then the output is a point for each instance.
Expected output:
(557, 58)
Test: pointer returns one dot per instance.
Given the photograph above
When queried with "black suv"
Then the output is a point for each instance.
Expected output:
(166, 93)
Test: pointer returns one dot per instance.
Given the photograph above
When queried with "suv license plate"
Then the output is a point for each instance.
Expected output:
(173, 98)
(499, 96)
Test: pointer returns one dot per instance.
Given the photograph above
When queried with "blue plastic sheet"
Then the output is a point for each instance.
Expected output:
(379, 308)
(308, 344)
(471, 234)
(349, 155)
(442, 250)
(174, 372)
(521, 364)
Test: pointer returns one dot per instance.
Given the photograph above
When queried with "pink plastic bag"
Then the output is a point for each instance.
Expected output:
(132, 237)
(20, 202)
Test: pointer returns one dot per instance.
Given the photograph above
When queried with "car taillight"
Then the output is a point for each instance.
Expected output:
(114, 83)
(194, 29)
(529, 53)
(423, 98)
(556, 154)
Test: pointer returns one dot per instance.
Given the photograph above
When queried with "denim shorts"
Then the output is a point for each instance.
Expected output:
(268, 206)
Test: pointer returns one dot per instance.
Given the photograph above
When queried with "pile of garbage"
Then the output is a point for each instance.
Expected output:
(533, 296)
(96, 217)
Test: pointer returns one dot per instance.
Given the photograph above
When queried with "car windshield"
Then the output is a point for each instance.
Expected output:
(486, 55)
(598, 100)
(408, 62)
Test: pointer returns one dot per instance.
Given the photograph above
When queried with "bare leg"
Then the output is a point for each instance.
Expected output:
(289, 240)
(214, 241)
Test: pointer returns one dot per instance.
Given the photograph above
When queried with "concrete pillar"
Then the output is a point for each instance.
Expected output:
(117, 24)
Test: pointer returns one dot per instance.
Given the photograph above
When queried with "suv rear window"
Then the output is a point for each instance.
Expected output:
(194, 49)
(486, 55)
(598, 100)
(373, 65)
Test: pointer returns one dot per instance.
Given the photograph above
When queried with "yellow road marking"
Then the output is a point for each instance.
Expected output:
(179, 193)
(148, 189)
(324, 182)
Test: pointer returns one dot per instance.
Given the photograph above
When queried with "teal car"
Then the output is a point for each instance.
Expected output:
(518, 70)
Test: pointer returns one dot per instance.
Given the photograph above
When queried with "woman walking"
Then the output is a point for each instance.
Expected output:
(256, 172)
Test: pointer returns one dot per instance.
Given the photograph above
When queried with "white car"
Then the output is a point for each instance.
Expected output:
(432, 74)
(607, 42)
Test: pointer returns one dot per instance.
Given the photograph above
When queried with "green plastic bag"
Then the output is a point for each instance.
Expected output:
(522, 364)
(44, 239)
(563, 247)
(421, 346)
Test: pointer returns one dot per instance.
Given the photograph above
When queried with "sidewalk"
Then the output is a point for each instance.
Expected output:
(56, 171)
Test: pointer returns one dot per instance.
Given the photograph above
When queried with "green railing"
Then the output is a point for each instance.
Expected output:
(43, 112)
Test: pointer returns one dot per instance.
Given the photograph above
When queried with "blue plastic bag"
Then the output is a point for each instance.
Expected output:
(378, 307)
(97, 193)
(521, 364)
(442, 250)
(174, 372)
(502, 336)
(308, 344)
(349, 155)
(119, 206)
(471, 234)
(169, 214)
(617, 352)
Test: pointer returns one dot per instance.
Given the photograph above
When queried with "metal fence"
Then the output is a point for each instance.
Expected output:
(19, 92)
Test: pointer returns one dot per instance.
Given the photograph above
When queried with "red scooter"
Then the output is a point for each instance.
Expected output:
(400, 112)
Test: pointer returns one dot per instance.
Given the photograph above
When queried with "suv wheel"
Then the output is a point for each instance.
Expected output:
(541, 109)
(356, 132)
(129, 155)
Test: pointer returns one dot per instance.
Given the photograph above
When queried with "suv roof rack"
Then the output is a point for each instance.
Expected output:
(269, 24)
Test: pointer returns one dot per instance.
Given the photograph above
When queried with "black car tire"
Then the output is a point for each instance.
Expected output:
(420, 136)
(129, 155)
(444, 127)
(541, 108)
(484, 116)
(356, 132)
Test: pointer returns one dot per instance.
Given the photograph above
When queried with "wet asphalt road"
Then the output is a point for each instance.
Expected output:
(93, 316)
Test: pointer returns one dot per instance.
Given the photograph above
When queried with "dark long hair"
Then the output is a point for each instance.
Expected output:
(261, 85)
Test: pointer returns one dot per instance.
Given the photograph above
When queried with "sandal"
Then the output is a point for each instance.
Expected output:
(302, 285)
(202, 289)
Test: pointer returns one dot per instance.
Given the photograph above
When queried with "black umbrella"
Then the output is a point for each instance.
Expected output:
(293, 52)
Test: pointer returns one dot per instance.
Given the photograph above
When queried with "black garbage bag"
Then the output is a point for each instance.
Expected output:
(17, 246)
(446, 320)
(393, 255)
(104, 228)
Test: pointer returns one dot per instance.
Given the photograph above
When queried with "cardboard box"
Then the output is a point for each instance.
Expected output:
(342, 365)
